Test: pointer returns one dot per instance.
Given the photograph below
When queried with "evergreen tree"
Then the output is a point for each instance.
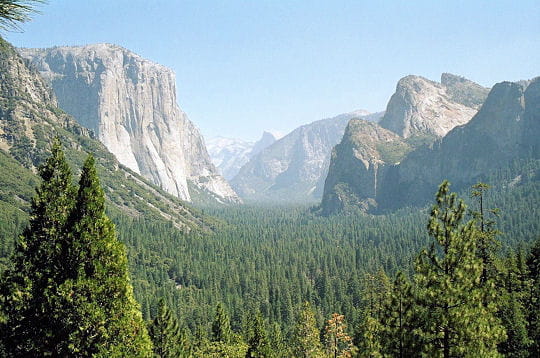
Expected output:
(258, 344)
(511, 309)
(165, 333)
(368, 337)
(338, 342)
(457, 323)
(105, 318)
(32, 325)
(221, 327)
(399, 321)
(533, 304)
(68, 293)
(12, 12)
(306, 338)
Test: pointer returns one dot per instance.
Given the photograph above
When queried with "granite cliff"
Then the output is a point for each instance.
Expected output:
(421, 107)
(130, 103)
(30, 118)
(504, 132)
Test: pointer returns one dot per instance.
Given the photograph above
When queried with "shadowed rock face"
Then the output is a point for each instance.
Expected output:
(423, 107)
(130, 103)
(357, 163)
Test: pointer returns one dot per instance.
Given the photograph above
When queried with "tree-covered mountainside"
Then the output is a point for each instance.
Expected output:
(30, 118)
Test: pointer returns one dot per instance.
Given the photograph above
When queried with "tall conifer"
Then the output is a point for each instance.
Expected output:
(68, 292)
(32, 325)
(448, 277)
(104, 316)
(165, 333)
(306, 339)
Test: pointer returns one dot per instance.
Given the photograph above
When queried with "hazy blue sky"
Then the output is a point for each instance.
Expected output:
(246, 66)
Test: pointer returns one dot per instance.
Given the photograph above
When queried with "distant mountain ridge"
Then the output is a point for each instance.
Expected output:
(293, 169)
(130, 103)
(229, 154)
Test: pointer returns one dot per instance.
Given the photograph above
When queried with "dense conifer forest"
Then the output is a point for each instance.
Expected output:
(361, 284)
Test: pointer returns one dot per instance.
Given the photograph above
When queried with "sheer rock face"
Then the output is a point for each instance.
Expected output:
(30, 119)
(423, 107)
(293, 169)
(130, 103)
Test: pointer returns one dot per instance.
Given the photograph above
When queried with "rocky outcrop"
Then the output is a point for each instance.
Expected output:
(505, 129)
(357, 163)
(229, 154)
(294, 168)
(130, 103)
(421, 107)
(504, 132)
(30, 119)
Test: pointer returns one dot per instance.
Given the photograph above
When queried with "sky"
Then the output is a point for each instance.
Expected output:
(247, 66)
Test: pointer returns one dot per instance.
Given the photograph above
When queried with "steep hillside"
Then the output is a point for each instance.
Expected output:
(293, 169)
(30, 118)
(130, 103)
(421, 107)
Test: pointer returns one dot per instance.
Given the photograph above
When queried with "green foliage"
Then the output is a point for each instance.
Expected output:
(13, 12)
(306, 338)
(221, 327)
(448, 279)
(399, 321)
(393, 152)
(29, 288)
(258, 343)
(533, 300)
(67, 291)
(165, 333)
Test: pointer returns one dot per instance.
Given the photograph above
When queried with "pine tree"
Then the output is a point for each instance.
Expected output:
(338, 342)
(306, 341)
(221, 327)
(31, 324)
(511, 309)
(165, 333)
(106, 319)
(258, 344)
(533, 304)
(399, 321)
(368, 336)
(13, 12)
(448, 278)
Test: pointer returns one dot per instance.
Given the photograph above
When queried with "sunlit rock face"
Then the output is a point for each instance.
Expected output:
(130, 103)
(423, 107)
